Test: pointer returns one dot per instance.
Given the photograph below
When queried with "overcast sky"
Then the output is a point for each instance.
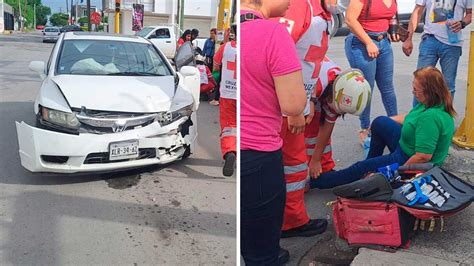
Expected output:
(55, 5)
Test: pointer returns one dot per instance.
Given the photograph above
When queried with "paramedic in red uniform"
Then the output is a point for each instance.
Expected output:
(320, 154)
(308, 23)
(226, 60)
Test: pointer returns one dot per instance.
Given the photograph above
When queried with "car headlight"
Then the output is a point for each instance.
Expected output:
(64, 119)
(166, 118)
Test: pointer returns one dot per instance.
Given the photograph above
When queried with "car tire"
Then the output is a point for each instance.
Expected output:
(336, 25)
(187, 152)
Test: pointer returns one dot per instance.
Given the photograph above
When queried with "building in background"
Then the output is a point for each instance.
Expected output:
(81, 11)
(7, 22)
(198, 14)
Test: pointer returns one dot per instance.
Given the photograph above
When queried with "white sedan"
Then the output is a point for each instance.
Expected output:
(110, 102)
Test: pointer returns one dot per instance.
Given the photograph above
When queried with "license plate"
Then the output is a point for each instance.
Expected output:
(123, 150)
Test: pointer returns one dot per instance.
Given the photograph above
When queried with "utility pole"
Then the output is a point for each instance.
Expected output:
(89, 25)
(181, 13)
(72, 6)
(117, 17)
(67, 11)
(20, 18)
(34, 15)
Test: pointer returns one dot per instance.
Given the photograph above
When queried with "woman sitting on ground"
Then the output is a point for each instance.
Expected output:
(423, 135)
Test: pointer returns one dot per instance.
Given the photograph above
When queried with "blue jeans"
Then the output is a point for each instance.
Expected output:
(378, 70)
(432, 50)
(262, 203)
(385, 133)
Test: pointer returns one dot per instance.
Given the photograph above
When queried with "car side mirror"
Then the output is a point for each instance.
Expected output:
(38, 67)
(188, 71)
(192, 82)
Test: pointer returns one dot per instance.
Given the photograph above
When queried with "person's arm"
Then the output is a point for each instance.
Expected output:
(399, 118)
(290, 93)
(352, 15)
(218, 58)
(419, 158)
(325, 132)
(412, 25)
(457, 26)
(427, 133)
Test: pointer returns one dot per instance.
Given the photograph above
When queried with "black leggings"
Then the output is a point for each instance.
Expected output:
(262, 202)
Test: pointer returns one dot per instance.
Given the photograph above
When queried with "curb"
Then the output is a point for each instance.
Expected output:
(460, 161)
(373, 257)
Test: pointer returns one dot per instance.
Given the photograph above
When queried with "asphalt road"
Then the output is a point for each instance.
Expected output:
(456, 244)
(174, 214)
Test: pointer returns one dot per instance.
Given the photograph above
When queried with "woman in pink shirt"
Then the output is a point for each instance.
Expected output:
(271, 83)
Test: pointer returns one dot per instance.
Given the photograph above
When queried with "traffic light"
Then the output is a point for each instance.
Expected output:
(117, 6)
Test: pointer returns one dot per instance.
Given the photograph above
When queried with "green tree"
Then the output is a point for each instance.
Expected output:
(42, 13)
(59, 19)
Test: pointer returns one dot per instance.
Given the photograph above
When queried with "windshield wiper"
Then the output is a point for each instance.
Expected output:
(134, 74)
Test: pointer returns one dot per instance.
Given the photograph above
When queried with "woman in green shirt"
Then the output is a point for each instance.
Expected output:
(423, 135)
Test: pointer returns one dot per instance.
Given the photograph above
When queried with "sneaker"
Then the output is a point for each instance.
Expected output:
(313, 227)
(214, 102)
(229, 164)
(283, 256)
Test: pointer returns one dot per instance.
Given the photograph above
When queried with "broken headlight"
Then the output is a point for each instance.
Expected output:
(166, 118)
(68, 120)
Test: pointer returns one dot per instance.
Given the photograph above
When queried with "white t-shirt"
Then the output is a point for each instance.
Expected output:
(436, 16)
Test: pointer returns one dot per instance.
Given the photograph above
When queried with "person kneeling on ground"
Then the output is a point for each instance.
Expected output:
(423, 135)
(208, 84)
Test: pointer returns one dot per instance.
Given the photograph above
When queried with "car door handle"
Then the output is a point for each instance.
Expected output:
(168, 41)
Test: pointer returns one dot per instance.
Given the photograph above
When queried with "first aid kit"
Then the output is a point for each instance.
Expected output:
(375, 211)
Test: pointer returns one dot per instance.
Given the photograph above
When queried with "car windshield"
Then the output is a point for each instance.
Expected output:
(107, 57)
(51, 30)
(143, 33)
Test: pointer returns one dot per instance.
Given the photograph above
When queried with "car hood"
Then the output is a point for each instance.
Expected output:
(117, 93)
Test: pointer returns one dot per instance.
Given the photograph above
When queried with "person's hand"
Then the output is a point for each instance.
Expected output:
(407, 47)
(309, 117)
(315, 168)
(456, 26)
(394, 37)
(296, 124)
(372, 50)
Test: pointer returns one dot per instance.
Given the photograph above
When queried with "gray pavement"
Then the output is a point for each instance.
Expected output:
(176, 214)
(456, 244)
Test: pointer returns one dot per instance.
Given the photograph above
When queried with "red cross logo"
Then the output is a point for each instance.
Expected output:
(316, 54)
(360, 79)
(287, 23)
(348, 100)
(232, 66)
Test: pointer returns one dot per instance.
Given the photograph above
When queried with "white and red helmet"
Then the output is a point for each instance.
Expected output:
(351, 92)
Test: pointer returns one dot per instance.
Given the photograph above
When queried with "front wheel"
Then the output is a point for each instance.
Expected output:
(187, 152)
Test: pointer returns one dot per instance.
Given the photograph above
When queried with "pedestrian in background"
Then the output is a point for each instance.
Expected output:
(186, 37)
(194, 34)
(442, 35)
(368, 48)
(271, 84)
(226, 63)
(209, 48)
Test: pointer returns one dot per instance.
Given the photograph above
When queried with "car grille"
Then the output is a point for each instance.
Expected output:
(103, 157)
(99, 122)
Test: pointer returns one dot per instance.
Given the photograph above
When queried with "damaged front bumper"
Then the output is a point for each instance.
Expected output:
(43, 150)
